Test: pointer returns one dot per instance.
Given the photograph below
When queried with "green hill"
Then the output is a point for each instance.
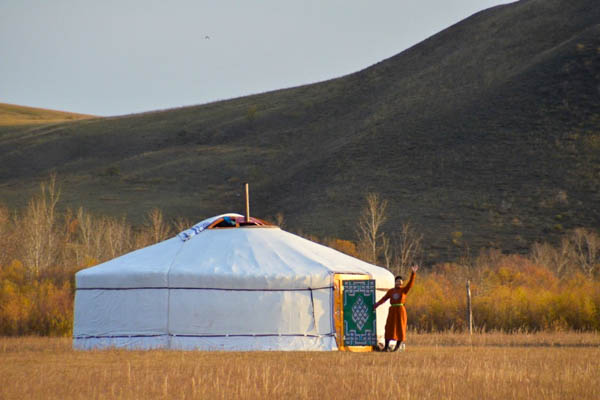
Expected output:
(486, 134)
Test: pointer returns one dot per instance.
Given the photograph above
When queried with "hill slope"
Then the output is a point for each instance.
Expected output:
(11, 115)
(486, 134)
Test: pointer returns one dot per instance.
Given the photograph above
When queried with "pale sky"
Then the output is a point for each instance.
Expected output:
(113, 57)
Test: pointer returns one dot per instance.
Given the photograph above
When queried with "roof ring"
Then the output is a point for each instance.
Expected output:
(230, 221)
(221, 221)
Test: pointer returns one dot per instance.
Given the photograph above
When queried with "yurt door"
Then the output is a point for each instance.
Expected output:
(355, 323)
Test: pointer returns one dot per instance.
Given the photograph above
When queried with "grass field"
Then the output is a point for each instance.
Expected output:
(434, 366)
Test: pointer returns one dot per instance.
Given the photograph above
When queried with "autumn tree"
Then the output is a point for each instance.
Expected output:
(39, 228)
(371, 238)
(409, 247)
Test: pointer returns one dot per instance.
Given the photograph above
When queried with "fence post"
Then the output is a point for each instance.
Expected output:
(469, 309)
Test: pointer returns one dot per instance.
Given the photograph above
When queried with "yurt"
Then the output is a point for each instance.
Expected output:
(231, 283)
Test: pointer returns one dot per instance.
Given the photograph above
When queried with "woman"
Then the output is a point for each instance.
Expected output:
(395, 326)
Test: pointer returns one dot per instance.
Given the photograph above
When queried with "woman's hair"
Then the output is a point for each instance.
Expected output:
(398, 277)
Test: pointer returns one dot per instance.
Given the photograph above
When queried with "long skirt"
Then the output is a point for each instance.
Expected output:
(395, 326)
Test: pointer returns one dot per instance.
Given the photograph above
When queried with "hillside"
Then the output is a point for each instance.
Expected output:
(11, 115)
(486, 134)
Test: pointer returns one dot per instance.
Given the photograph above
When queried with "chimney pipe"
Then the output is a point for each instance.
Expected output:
(247, 203)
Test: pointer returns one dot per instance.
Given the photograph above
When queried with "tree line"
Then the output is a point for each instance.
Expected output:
(554, 287)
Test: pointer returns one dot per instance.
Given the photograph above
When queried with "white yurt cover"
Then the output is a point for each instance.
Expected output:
(247, 288)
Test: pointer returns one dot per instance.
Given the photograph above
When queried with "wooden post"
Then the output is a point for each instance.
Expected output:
(247, 203)
(469, 309)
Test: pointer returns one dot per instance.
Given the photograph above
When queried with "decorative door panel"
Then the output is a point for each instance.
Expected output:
(360, 326)
(354, 318)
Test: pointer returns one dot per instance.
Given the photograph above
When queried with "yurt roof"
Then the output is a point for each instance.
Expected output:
(246, 256)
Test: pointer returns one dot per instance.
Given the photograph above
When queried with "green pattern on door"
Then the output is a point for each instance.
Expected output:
(360, 328)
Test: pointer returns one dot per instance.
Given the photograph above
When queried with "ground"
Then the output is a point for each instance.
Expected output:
(451, 366)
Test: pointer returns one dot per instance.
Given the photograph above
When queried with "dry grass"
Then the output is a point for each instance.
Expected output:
(500, 339)
(498, 366)
(11, 115)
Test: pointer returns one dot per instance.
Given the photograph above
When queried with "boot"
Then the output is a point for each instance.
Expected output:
(378, 347)
(387, 345)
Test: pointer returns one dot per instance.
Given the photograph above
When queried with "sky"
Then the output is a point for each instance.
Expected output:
(116, 57)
